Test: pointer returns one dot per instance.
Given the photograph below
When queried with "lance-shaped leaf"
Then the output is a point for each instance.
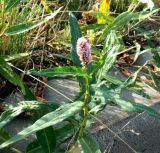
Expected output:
(123, 19)
(47, 139)
(119, 21)
(9, 115)
(52, 118)
(16, 56)
(135, 107)
(10, 75)
(14, 111)
(87, 145)
(75, 34)
(112, 95)
(34, 147)
(59, 71)
(21, 28)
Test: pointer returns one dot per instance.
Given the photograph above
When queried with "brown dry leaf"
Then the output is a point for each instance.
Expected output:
(126, 72)
(2, 108)
(40, 99)
(74, 149)
(40, 89)
(87, 18)
(126, 57)
(147, 81)
(2, 85)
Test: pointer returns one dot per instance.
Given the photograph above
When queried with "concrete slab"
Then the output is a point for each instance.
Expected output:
(140, 132)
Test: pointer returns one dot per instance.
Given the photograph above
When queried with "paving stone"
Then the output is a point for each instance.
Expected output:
(141, 132)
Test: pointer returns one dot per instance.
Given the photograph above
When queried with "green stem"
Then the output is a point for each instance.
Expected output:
(86, 112)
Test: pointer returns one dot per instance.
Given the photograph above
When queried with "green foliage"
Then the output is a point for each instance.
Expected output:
(34, 147)
(22, 28)
(73, 5)
(75, 34)
(98, 87)
(13, 111)
(4, 136)
(47, 120)
(10, 75)
(47, 139)
(11, 4)
(87, 145)
(120, 20)
(59, 72)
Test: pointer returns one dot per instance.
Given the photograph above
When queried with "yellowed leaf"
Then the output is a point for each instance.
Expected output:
(104, 11)
(46, 7)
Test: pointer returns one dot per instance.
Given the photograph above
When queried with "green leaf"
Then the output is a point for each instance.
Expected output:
(144, 14)
(7, 72)
(9, 115)
(75, 34)
(132, 79)
(65, 132)
(11, 4)
(154, 51)
(87, 145)
(123, 19)
(73, 5)
(47, 120)
(21, 28)
(47, 139)
(4, 135)
(110, 59)
(16, 56)
(155, 80)
(59, 71)
(120, 20)
(135, 107)
(10, 75)
(156, 57)
(137, 89)
(14, 111)
(28, 94)
(108, 56)
(112, 95)
(34, 147)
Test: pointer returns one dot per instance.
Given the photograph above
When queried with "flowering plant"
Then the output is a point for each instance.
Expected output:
(84, 51)
(98, 89)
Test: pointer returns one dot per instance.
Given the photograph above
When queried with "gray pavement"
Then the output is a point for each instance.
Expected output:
(139, 131)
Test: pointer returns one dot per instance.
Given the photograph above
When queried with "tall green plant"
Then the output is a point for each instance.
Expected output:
(100, 89)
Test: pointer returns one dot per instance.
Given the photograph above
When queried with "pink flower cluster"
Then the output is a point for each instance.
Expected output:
(84, 51)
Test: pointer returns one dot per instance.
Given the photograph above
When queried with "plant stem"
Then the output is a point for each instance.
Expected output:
(86, 113)
(14, 150)
(3, 12)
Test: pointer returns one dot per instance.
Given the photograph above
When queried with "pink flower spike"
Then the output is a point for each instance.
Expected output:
(84, 51)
